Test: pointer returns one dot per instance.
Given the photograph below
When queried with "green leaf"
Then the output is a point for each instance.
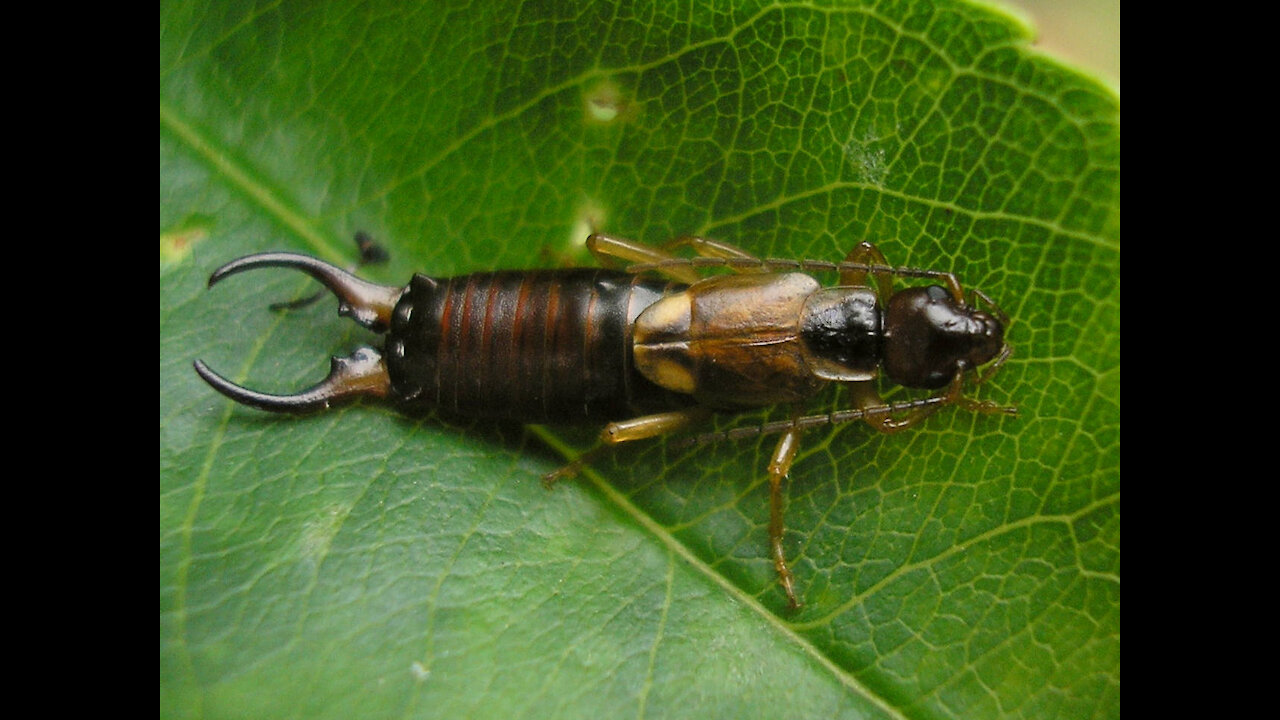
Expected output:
(362, 564)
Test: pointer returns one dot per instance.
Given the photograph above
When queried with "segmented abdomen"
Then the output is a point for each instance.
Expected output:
(534, 346)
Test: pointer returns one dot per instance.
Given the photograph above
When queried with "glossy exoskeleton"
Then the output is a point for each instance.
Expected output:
(655, 348)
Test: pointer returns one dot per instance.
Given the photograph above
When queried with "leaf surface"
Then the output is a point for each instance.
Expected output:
(362, 564)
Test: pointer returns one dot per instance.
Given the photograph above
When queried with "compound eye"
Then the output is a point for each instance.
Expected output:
(937, 293)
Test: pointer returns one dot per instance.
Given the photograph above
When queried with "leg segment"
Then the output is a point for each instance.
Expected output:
(779, 466)
(647, 426)
(608, 250)
(868, 254)
(706, 247)
(783, 455)
(638, 428)
(865, 397)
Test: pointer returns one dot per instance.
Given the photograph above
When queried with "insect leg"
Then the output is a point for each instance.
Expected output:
(647, 426)
(865, 397)
(608, 250)
(707, 247)
(868, 254)
(783, 455)
(637, 428)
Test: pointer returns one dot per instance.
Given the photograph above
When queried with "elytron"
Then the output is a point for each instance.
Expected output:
(649, 345)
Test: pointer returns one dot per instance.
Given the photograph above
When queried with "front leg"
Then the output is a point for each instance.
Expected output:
(865, 397)
(869, 255)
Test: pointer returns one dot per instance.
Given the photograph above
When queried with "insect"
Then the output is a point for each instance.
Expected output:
(656, 347)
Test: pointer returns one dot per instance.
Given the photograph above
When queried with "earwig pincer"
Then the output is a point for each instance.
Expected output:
(649, 346)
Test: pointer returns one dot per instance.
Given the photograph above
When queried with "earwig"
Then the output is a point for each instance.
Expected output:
(649, 346)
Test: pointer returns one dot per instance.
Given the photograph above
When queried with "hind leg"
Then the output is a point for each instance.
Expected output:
(637, 428)
(738, 260)
(610, 250)
(616, 252)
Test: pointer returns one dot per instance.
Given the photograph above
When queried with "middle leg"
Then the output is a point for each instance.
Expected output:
(609, 250)
(783, 455)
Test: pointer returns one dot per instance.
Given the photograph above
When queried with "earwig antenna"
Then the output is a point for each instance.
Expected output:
(994, 366)
(788, 264)
(953, 284)
(1000, 314)
(808, 421)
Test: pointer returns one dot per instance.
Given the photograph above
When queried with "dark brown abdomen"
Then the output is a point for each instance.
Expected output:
(532, 346)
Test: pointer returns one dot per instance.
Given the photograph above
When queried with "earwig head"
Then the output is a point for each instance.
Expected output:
(364, 373)
(930, 337)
